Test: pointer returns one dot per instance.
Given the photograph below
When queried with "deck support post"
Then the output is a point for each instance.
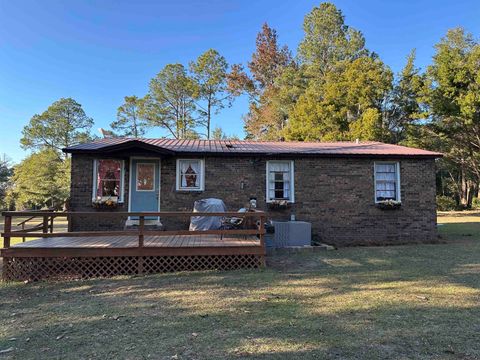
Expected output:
(7, 229)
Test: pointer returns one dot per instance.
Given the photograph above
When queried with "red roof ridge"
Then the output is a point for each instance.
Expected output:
(353, 142)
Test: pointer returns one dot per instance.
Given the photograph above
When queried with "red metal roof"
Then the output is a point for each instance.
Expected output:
(368, 148)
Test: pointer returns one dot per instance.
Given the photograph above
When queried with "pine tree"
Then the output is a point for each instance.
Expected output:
(129, 122)
(210, 74)
(170, 102)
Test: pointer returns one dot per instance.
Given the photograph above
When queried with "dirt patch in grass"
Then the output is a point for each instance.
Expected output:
(456, 216)
(403, 302)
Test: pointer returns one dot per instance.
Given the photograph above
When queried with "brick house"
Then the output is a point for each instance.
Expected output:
(352, 193)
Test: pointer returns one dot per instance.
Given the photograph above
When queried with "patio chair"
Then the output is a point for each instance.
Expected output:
(238, 222)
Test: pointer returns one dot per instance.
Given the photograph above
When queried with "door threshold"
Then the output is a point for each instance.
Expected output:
(136, 222)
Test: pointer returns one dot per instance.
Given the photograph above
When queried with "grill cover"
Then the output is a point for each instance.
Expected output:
(207, 222)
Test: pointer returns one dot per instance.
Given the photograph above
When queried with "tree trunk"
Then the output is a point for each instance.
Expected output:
(208, 119)
(135, 130)
(463, 196)
(467, 191)
(470, 193)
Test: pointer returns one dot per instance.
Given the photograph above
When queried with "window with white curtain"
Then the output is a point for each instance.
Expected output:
(280, 180)
(387, 181)
(190, 175)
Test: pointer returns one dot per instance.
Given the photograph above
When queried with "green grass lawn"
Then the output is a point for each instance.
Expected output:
(398, 302)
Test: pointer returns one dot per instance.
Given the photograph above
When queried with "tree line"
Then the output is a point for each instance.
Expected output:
(333, 89)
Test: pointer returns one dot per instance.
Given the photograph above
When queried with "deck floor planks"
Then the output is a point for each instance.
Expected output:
(149, 241)
(127, 241)
(124, 241)
(194, 241)
(181, 240)
(185, 240)
(172, 241)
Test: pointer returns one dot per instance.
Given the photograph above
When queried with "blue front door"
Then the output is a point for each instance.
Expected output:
(145, 185)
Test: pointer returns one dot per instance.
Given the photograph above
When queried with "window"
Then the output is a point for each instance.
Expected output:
(280, 181)
(145, 177)
(108, 177)
(190, 175)
(387, 181)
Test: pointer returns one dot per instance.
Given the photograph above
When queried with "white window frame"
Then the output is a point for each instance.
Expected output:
(121, 196)
(154, 176)
(397, 180)
(178, 179)
(292, 180)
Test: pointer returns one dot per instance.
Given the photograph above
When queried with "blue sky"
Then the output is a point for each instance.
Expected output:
(99, 51)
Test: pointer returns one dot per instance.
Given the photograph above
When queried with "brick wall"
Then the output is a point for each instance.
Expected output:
(81, 191)
(335, 194)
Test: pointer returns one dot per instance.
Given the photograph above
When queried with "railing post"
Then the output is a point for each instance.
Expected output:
(51, 224)
(69, 222)
(262, 238)
(141, 225)
(23, 229)
(262, 230)
(45, 224)
(7, 229)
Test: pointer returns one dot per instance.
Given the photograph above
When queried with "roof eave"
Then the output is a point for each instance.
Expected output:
(133, 144)
(257, 154)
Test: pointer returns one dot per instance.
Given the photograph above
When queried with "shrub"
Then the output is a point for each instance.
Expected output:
(445, 203)
(476, 203)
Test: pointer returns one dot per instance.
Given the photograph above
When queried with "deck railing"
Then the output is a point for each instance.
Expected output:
(45, 225)
(48, 217)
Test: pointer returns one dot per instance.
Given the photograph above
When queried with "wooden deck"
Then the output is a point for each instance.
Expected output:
(106, 253)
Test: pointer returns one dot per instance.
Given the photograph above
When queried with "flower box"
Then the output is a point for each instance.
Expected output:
(278, 205)
(389, 205)
(102, 203)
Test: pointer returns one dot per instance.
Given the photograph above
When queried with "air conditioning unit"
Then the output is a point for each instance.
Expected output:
(291, 233)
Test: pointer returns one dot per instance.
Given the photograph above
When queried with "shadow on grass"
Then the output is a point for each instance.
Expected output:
(395, 302)
(454, 232)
